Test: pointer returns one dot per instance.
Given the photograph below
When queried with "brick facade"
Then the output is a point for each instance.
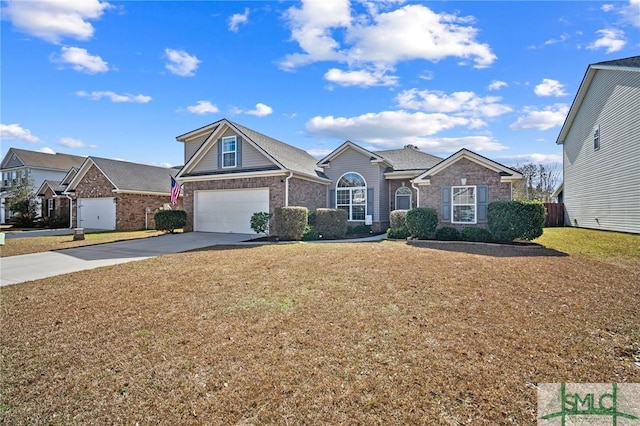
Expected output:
(60, 205)
(475, 174)
(394, 184)
(133, 211)
(302, 192)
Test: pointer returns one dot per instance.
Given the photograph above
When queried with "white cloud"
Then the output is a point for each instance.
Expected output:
(460, 103)
(497, 85)
(607, 7)
(114, 97)
(550, 87)
(631, 13)
(17, 132)
(381, 39)
(535, 158)
(181, 63)
(261, 110)
(610, 39)
(549, 117)
(46, 150)
(360, 78)
(73, 143)
(237, 19)
(53, 20)
(81, 60)
(203, 107)
(319, 153)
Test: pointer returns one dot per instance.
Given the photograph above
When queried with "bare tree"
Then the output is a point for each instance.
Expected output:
(538, 182)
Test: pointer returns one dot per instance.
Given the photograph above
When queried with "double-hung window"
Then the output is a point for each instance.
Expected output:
(596, 138)
(351, 196)
(229, 151)
(463, 204)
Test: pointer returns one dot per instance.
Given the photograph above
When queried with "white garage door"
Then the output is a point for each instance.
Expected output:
(228, 210)
(97, 213)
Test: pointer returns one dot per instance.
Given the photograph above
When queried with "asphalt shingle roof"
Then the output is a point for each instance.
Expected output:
(136, 177)
(290, 157)
(409, 159)
(632, 61)
(44, 160)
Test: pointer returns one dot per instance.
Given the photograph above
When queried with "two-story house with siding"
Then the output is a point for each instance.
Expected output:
(21, 164)
(600, 141)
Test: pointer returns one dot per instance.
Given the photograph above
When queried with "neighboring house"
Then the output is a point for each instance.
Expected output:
(118, 195)
(21, 164)
(600, 141)
(232, 172)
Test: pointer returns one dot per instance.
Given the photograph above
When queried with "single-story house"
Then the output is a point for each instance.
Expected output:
(119, 195)
(600, 141)
(232, 171)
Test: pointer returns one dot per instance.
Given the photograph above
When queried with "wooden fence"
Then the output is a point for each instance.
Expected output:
(555, 214)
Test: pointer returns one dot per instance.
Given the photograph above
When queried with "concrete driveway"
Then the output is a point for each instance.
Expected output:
(28, 267)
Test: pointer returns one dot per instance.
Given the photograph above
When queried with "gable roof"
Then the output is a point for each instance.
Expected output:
(506, 173)
(375, 158)
(24, 158)
(55, 186)
(625, 64)
(127, 177)
(284, 156)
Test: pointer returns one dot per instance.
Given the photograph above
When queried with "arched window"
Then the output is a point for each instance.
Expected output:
(403, 198)
(351, 196)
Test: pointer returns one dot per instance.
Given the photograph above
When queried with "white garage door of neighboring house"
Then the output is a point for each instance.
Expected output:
(97, 213)
(228, 210)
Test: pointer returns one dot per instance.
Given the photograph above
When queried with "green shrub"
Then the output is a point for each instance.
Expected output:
(510, 220)
(311, 218)
(447, 233)
(331, 223)
(260, 222)
(476, 234)
(55, 221)
(400, 233)
(359, 230)
(170, 220)
(422, 222)
(310, 233)
(291, 222)
(398, 218)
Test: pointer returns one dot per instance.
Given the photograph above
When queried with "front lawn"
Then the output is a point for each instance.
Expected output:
(26, 245)
(360, 333)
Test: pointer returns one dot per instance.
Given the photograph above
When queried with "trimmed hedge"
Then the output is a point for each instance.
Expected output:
(422, 222)
(510, 220)
(398, 219)
(331, 223)
(447, 233)
(291, 222)
(480, 235)
(170, 220)
(400, 233)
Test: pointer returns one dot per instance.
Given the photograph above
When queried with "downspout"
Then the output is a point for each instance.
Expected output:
(70, 210)
(286, 189)
(413, 185)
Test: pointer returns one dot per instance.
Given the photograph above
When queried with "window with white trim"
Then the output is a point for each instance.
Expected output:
(403, 198)
(463, 204)
(351, 196)
(49, 207)
(229, 151)
(596, 137)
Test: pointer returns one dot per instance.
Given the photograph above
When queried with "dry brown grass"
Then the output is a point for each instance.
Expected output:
(17, 246)
(368, 333)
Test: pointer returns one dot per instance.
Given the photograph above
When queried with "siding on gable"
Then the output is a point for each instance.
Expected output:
(602, 188)
(191, 147)
(251, 157)
(353, 161)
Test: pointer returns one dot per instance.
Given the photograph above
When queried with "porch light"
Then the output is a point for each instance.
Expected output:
(463, 181)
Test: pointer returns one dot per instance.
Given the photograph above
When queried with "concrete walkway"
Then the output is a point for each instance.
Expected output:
(28, 267)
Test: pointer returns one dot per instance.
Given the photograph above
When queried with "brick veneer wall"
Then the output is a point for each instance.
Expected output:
(60, 205)
(475, 175)
(301, 193)
(394, 184)
(131, 209)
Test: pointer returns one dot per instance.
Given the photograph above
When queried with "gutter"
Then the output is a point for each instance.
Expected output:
(286, 189)
(413, 185)
(70, 210)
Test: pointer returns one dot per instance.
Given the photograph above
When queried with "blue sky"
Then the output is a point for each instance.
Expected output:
(123, 79)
